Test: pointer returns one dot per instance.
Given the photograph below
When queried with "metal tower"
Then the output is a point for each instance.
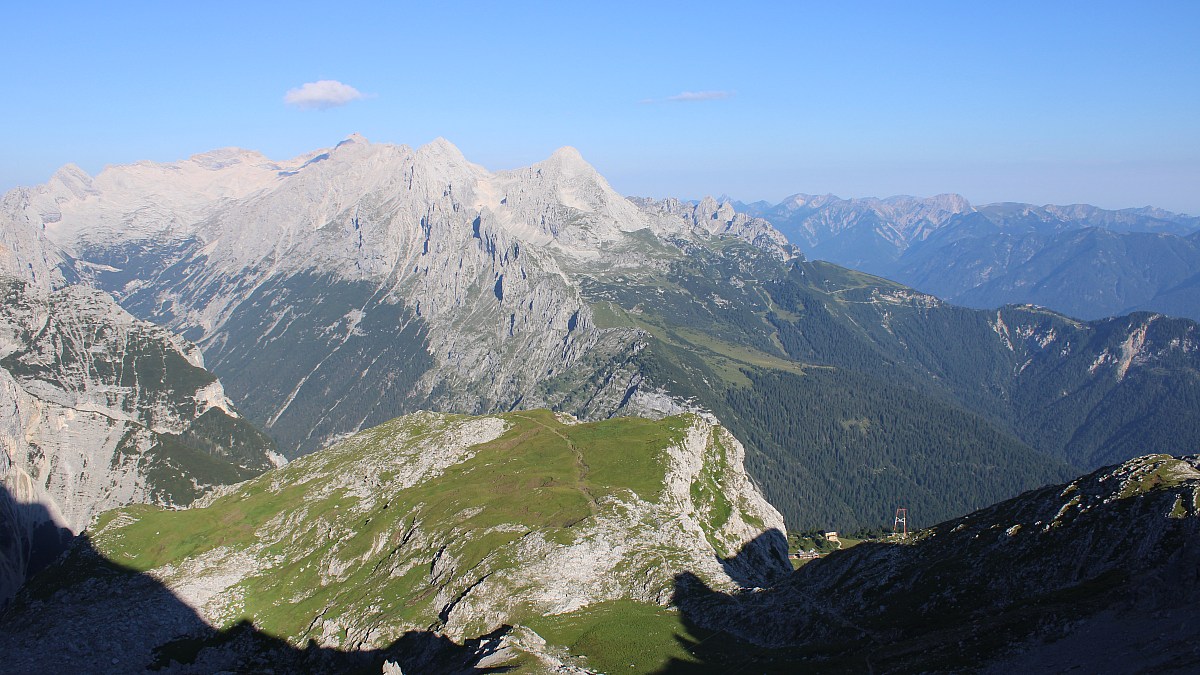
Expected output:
(900, 526)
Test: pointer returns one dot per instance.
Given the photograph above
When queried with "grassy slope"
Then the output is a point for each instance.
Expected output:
(540, 474)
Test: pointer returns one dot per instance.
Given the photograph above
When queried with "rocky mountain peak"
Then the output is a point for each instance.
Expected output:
(221, 158)
(567, 164)
(569, 159)
(442, 153)
(952, 202)
(711, 216)
(806, 201)
(353, 139)
(73, 180)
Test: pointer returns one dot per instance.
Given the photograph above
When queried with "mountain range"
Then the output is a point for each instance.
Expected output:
(340, 289)
(1081, 260)
(636, 399)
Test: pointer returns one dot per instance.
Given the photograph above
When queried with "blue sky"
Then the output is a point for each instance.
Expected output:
(1047, 102)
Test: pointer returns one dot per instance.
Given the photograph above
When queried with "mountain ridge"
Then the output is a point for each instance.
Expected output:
(1098, 573)
(1024, 583)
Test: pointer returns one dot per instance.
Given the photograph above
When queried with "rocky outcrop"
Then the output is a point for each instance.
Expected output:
(99, 410)
(454, 524)
(710, 217)
(25, 252)
(1099, 574)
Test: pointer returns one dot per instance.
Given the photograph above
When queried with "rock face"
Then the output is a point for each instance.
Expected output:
(25, 253)
(721, 218)
(384, 278)
(97, 409)
(1101, 574)
(438, 522)
(102, 410)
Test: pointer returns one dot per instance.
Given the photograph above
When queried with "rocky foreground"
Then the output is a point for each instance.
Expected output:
(428, 541)
(99, 410)
(1098, 575)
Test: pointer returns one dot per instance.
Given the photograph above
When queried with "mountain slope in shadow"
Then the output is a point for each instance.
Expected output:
(1099, 575)
(88, 614)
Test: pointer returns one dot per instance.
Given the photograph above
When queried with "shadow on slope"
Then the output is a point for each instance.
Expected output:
(29, 541)
(1101, 584)
(761, 562)
(87, 614)
(717, 645)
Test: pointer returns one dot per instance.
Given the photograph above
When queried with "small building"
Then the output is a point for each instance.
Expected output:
(831, 536)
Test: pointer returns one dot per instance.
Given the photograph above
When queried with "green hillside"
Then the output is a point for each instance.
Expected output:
(525, 522)
(856, 395)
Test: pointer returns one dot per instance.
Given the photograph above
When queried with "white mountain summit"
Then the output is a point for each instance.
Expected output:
(382, 276)
(562, 199)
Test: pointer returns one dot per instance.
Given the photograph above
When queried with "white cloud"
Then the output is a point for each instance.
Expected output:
(322, 95)
(692, 97)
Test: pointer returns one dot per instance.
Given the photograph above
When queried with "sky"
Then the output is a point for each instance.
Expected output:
(1044, 102)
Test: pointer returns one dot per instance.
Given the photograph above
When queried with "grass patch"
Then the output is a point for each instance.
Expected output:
(708, 494)
(626, 453)
(1161, 471)
(1178, 510)
(607, 315)
(740, 355)
(619, 636)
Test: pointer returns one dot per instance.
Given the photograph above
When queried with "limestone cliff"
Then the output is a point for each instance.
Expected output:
(101, 410)
(335, 291)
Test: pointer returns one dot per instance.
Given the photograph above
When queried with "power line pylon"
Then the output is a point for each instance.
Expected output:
(900, 525)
